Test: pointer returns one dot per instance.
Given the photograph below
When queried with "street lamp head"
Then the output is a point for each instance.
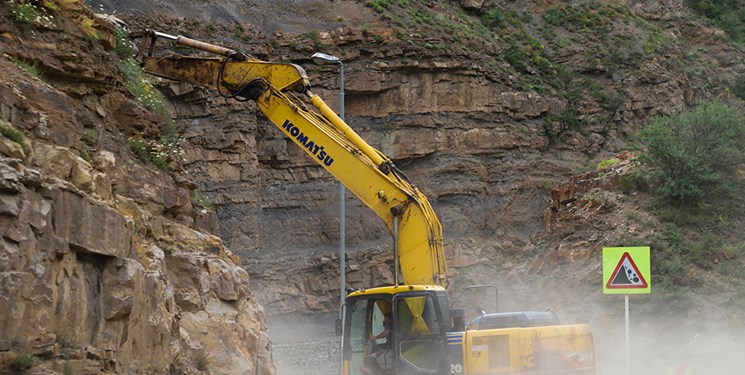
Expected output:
(323, 59)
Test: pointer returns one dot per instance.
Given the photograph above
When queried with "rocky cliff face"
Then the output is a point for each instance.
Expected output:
(114, 263)
(105, 265)
(485, 152)
(486, 141)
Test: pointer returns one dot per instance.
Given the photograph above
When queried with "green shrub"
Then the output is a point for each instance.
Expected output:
(158, 153)
(90, 136)
(494, 18)
(123, 47)
(555, 17)
(516, 56)
(25, 12)
(168, 147)
(141, 88)
(86, 155)
(739, 89)
(30, 14)
(15, 136)
(702, 253)
(694, 154)
(631, 182)
(22, 362)
(315, 38)
(161, 162)
(656, 43)
(574, 17)
(30, 68)
(688, 216)
(727, 14)
(139, 148)
(134, 77)
(169, 136)
(672, 280)
(607, 163)
(674, 236)
(379, 6)
(607, 99)
(201, 199)
(12, 134)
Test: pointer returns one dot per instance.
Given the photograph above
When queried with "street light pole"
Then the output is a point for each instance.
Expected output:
(324, 59)
(342, 209)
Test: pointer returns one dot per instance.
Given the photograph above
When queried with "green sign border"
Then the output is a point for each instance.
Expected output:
(641, 259)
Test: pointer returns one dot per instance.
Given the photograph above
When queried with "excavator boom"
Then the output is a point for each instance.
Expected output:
(279, 90)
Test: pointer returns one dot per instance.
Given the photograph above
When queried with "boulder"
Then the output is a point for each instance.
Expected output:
(104, 231)
(472, 4)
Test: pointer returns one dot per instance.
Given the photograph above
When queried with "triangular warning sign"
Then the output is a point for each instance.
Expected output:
(626, 275)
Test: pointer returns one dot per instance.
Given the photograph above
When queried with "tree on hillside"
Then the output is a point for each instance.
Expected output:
(694, 155)
(727, 14)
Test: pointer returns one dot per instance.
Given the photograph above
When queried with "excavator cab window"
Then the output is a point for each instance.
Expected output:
(418, 331)
(357, 313)
(366, 318)
(409, 345)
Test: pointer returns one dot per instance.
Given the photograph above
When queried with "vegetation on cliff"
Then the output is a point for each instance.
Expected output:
(727, 14)
(694, 155)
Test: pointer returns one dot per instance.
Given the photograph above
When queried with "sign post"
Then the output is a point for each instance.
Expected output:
(626, 270)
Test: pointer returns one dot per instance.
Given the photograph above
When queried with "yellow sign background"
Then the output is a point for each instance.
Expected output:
(612, 256)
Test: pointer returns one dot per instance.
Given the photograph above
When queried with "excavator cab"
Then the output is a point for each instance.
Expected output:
(414, 343)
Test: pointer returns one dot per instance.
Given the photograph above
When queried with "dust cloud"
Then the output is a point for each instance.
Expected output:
(305, 344)
(705, 331)
(659, 347)
(660, 343)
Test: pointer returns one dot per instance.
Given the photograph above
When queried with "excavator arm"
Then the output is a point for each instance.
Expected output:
(279, 90)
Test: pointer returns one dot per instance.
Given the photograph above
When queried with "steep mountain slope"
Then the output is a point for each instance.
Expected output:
(488, 106)
(106, 266)
(487, 117)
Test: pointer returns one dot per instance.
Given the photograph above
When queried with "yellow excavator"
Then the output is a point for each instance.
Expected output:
(407, 328)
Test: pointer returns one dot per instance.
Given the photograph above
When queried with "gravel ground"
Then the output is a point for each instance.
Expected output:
(311, 358)
(305, 344)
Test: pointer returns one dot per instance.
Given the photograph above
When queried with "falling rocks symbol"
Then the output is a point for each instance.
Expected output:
(626, 277)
